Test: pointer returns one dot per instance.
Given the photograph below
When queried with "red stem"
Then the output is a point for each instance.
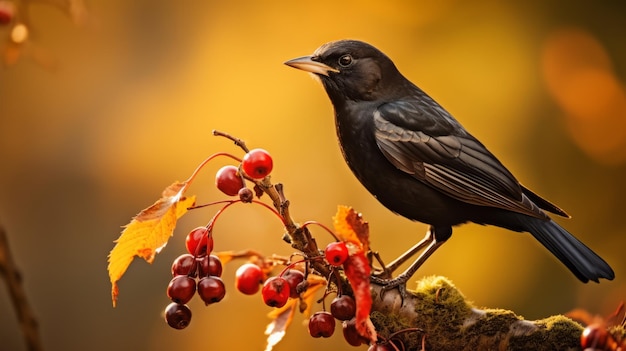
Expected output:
(307, 223)
(201, 165)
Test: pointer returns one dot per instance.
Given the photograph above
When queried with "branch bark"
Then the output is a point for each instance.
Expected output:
(450, 322)
(26, 317)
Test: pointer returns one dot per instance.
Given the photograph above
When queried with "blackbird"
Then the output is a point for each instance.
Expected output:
(419, 162)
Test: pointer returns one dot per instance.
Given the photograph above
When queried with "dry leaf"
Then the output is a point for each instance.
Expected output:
(147, 233)
(354, 231)
(277, 329)
(351, 227)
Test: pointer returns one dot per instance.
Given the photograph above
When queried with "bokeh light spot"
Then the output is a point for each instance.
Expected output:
(580, 77)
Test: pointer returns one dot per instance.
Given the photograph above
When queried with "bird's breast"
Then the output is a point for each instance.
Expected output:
(395, 189)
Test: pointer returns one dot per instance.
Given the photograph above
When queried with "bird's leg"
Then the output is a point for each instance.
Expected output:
(434, 238)
(391, 267)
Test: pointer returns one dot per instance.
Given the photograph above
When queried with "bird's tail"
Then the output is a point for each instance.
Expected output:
(580, 259)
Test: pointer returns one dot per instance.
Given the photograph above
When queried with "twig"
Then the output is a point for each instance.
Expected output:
(13, 279)
(237, 141)
(299, 237)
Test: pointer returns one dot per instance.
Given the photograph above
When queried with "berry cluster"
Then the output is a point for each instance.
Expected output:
(197, 271)
(276, 290)
(342, 308)
(256, 164)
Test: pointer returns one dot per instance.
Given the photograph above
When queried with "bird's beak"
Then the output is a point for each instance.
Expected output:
(307, 64)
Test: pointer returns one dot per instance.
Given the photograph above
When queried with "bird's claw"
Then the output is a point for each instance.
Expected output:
(389, 284)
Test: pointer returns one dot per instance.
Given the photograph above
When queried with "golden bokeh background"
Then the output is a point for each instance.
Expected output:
(132, 106)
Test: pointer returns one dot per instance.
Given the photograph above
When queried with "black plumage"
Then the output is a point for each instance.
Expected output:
(419, 162)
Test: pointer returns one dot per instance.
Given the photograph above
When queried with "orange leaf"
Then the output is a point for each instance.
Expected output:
(224, 256)
(277, 329)
(148, 232)
(351, 227)
(357, 271)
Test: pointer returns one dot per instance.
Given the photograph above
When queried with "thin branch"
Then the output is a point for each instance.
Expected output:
(13, 279)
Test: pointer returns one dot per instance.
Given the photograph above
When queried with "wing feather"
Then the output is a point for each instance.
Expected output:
(457, 164)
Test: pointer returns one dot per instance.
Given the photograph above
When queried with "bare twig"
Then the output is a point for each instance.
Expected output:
(13, 279)
(237, 141)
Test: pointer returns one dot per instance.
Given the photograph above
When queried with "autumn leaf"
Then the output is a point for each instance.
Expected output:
(351, 227)
(148, 232)
(277, 329)
(354, 231)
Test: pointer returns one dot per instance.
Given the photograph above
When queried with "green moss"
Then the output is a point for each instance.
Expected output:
(449, 322)
(440, 309)
(553, 333)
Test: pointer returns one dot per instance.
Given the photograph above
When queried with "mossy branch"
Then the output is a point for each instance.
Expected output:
(451, 322)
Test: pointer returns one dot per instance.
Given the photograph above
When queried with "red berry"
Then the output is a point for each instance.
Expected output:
(275, 292)
(181, 289)
(177, 316)
(597, 337)
(198, 242)
(257, 163)
(382, 347)
(211, 290)
(321, 324)
(343, 307)
(7, 12)
(184, 264)
(336, 253)
(228, 180)
(245, 195)
(294, 277)
(209, 265)
(248, 278)
(351, 335)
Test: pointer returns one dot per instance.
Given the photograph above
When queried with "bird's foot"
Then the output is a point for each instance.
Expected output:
(389, 284)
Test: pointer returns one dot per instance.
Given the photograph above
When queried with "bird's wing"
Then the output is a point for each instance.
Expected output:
(425, 142)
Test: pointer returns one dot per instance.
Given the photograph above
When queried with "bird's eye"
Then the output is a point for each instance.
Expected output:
(345, 60)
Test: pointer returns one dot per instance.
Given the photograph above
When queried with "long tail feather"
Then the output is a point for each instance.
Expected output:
(580, 259)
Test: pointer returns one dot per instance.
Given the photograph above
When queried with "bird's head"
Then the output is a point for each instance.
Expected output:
(352, 70)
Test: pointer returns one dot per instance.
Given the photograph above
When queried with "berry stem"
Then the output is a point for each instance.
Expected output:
(308, 223)
(211, 204)
(201, 165)
(299, 237)
(272, 210)
(291, 265)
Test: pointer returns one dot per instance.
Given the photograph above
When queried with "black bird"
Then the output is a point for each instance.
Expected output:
(419, 162)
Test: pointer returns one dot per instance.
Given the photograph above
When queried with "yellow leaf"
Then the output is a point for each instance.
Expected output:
(351, 227)
(277, 329)
(225, 256)
(147, 233)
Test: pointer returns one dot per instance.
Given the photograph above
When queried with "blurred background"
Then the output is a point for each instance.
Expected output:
(139, 86)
